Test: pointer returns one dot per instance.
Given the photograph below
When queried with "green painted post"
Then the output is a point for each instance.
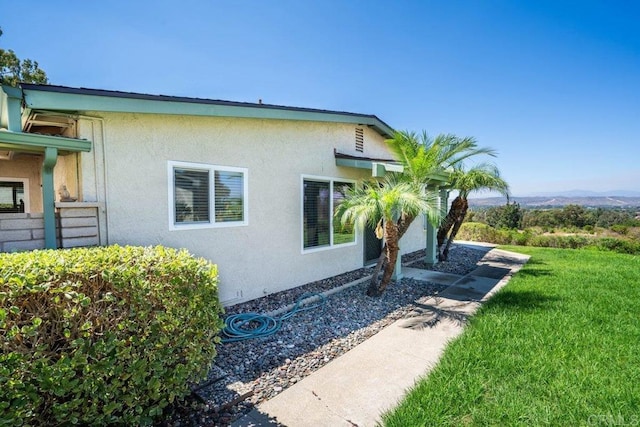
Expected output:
(444, 202)
(49, 197)
(431, 249)
(397, 272)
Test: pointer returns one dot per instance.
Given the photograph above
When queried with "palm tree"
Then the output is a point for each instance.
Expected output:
(424, 158)
(389, 206)
(432, 160)
(483, 176)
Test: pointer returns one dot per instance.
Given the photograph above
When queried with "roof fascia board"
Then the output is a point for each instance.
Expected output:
(10, 100)
(47, 100)
(377, 168)
(354, 163)
(38, 143)
(380, 168)
(439, 177)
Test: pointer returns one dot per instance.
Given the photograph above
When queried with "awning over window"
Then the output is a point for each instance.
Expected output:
(30, 142)
(378, 167)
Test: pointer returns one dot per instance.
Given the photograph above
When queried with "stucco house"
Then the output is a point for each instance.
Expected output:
(250, 187)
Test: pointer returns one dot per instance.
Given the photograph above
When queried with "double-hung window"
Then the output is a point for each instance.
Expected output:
(320, 199)
(203, 196)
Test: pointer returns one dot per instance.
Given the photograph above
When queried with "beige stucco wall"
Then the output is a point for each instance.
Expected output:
(266, 255)
(65, 173)
(30, 167)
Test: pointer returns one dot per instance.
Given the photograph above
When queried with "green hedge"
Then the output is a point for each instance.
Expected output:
(108, 335)
(479, 232)
(618, 245)
(484, 233)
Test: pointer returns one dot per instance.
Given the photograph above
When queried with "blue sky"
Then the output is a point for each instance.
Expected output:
(553, 86)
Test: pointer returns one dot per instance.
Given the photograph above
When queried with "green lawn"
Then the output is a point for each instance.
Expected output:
(559, 345)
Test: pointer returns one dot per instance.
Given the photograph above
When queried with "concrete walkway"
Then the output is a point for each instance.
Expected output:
(357, 387)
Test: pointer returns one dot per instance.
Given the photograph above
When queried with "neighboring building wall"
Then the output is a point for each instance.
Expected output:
(30, 167)
(266, 255)
(77, 225)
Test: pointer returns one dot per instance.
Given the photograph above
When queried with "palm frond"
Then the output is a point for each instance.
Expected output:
(483, 176)
(389, 200)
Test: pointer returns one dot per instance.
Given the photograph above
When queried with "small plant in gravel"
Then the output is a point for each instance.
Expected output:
(108, 335)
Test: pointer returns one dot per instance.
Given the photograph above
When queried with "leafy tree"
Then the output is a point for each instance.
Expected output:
(390, 206)
(575, 216)
(507, 216)
(480, 177)
(539, 218)
(14, 71)
(608, 217)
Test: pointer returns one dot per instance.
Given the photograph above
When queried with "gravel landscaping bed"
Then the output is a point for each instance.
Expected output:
(251, 371)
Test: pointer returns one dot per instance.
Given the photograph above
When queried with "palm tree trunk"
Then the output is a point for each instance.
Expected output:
(392, 249)
(460, 212)
(374, 283)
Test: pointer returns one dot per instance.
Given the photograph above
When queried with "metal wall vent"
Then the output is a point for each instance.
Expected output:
(360, 140)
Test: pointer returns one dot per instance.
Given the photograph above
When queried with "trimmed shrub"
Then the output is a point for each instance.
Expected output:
(618, 245)
(558, 241)
(106, 335)
(620, 229)
(483, 233)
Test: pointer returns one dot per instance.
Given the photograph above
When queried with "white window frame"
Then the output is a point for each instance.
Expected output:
(25, 185)
(331, 245)
(173, 225)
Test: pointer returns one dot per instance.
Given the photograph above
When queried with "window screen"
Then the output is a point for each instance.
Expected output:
(316, 213)
(229, 196)
(191, 195)
(206, 195)
(346, 233)
(320, 200)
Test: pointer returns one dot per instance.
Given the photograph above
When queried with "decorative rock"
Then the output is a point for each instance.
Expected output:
(261, 368)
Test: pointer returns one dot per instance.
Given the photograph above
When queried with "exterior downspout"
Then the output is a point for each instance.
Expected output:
(103, 229)
(49, 197)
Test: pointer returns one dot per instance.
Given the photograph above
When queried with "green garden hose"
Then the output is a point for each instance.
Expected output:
(244, 326)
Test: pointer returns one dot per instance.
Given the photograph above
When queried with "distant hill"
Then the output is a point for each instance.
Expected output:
(559, 201)
(587, 193)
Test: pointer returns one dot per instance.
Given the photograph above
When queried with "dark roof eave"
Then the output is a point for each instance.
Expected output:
(94, 100)
(339, 155)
